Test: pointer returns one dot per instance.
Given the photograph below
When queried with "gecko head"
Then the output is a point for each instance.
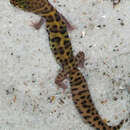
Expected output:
(29, 5)
(23, 4)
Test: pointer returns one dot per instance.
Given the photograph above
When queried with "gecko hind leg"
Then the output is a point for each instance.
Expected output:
(80, 58)
(62, 75)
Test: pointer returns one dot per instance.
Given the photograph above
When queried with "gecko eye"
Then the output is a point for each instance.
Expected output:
(14, 2)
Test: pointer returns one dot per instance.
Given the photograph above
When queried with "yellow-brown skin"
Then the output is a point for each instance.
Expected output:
(61, 47)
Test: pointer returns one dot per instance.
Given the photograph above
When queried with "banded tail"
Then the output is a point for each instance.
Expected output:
(83, 102)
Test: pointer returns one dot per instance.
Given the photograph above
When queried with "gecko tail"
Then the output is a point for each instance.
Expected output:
(84, 104)
(117, 127)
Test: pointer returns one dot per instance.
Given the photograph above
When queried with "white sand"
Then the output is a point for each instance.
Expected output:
(29, 99)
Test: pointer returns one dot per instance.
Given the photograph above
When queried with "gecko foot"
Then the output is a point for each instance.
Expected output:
(37, 25)
(59, 80)
(80, 59)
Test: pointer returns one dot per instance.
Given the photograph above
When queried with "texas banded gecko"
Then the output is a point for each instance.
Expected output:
(60, 44)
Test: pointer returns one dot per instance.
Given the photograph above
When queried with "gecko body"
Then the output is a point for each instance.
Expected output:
(60, 45)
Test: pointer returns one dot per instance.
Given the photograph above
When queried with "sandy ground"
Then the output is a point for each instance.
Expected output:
(29, 98)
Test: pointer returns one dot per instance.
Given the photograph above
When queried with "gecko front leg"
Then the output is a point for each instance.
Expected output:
(37, 25)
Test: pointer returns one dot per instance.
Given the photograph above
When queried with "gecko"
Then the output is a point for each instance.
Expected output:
(57, 28)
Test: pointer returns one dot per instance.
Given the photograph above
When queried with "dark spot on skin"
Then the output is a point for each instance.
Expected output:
(90, 100)
(88, 96)
(43, 11)
(72, 72)
(102, 123)
(56, 39)
(53, 45)
(83, 86)
(63, 31)
(55, 53)
(104, 128)
(51, 7)
(67, 44)
(82, 97)
(74, 89)
(71, 78)
(76, 83)
(57, 17)
(114, 128)
(86, 106)
(61, 60)
(54, 29)
(83, 102)
(93, 109)
(79, 110)
(77, 79)
(71, 59)
(77, 100)
(96, 112)
(66, 61)
(66, 36)
(110, 127)
(49, 18)
(57, 57)
(71, 81)
(93, 125)
(73, 95)
(88, 111)
(54, 49)
(61, 50)
(62, 27)
(87, 117)
(48, 26)
(45, 7)
(63, 23)
(54, 26)
(81, 92)
(96, 118)
(93, 113)
(99, 122)
(90, 123)
(67, 53)
(78, 74)
(48, 32)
